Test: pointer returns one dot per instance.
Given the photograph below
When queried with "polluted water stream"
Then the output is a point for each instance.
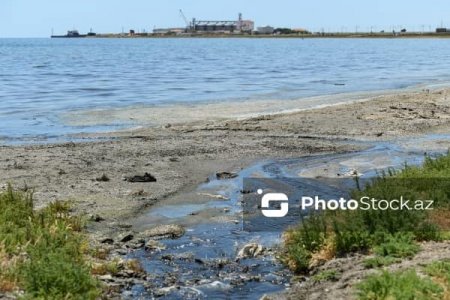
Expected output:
(217, 258)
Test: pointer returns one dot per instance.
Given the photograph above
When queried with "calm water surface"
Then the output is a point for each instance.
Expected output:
(42, 78)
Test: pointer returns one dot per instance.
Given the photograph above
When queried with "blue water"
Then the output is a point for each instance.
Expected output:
(42, 78)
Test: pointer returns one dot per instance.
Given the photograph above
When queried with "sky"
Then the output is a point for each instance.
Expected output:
(37, 18)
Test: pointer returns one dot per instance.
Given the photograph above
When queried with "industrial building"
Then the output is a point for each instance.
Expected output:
(239, 25)
(163, 31)
(265, 30)
(442, 30)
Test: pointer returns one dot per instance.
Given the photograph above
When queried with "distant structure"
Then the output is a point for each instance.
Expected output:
(165, 31)
(239, 25)
(442, 30)
(300, 30)
(74, 34)
(265, 30)
(245, 25)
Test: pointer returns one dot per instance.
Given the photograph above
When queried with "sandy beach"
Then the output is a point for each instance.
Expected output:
(97, 175)
(182, 155)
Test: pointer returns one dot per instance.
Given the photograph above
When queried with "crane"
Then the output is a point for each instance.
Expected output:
(184, 19)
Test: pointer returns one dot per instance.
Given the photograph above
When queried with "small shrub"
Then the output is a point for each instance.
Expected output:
(327, 252)
(352, 241)
(398, 285)
(43, 251)
(401, 245)
(428, 232)
(54, 275)
(311, 233)
(298, 258)
(390, 221)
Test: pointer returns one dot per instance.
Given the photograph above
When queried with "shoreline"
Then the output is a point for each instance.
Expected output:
(141, 117)
(252, 138)
(363, 35)
(94, 176)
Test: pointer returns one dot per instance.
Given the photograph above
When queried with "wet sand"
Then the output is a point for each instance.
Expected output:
(182, 151)
(181, 155)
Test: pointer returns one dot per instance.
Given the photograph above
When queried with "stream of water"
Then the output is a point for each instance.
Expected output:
(202, 264)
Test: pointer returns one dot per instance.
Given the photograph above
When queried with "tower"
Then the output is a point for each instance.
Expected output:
(239, 22)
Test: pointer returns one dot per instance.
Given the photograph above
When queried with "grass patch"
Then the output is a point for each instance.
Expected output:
(392, 250)
(445, 235)
(43, 252)
(110, 267)
(399, 285)
(326, 275)
(408, 285)
(398, 246)
(440, 270)
(391, 234)
(380, 261)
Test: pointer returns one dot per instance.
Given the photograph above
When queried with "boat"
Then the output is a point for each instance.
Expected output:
(73, 34)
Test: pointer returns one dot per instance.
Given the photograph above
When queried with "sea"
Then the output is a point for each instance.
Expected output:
(42, 79)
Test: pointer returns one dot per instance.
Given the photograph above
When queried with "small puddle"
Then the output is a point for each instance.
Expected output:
(202, 263)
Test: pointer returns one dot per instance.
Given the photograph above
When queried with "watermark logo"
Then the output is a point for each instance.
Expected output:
(365, 203)
(274, 197)
(274, 204)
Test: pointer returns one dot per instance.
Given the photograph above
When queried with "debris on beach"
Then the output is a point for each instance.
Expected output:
(103, 178)
(139, 178)
(96, 218)
(164, 231)
(125, 237)
(350, 173)
(153, 245)
(226, 175)
(250, 251)
(218, 196)
(106, 240)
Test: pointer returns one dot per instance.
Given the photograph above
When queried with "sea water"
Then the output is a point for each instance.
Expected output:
(40, 79)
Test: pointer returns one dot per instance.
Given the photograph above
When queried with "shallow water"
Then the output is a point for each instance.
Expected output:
(42, 78)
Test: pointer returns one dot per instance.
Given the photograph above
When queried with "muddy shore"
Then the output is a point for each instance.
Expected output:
(97, 176)
(183, 155)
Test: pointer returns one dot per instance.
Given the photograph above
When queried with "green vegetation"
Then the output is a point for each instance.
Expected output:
(392, 250)
(398, 246)
(408, 285)
(390, 234)
(399, 285)
(43, 252)
(380, 261)
(440, 272)
(326, 275)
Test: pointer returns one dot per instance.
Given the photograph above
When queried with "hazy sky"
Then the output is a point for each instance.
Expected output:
(36, 18)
